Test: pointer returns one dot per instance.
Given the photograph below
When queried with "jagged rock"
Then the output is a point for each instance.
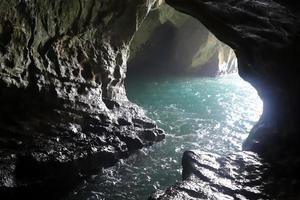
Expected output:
(64, 110)
(242, 175)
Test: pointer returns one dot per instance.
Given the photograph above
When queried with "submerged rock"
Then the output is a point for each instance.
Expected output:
(242, 175)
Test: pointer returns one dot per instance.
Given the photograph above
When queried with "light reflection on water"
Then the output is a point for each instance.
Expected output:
(210, 114)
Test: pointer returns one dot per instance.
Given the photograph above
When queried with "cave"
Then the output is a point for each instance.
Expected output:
(66, 118)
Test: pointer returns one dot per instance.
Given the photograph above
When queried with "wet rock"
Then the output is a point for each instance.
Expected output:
(153, 136)
(242, 175)
(7, 169)
(48, 147)
(111, 104)
(143, 123)
(124, 122)
(64, 109)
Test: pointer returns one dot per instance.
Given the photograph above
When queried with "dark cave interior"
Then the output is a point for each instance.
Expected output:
(64, 109)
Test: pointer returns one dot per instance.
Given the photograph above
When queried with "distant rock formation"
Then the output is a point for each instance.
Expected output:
(170, 42)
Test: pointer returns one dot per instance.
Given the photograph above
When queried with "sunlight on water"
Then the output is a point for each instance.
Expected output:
(210, 114)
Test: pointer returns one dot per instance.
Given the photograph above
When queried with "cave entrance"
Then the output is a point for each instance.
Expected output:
(178, 70)
(186, 80)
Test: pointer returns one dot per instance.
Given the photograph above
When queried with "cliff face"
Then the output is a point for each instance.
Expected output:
(171, 42)
(64, 110)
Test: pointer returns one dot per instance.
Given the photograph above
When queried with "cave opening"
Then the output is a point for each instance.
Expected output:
(187, 81)
(176, 62)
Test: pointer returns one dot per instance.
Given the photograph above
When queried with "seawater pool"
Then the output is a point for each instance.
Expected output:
(211, 114)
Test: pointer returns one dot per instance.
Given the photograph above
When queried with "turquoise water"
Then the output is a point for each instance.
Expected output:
(211, 114)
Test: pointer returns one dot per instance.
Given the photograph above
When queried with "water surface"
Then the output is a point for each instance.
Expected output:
(211, 114)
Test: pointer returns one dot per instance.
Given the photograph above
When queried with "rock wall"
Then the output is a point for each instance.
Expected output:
(64, 110)
(171, 42)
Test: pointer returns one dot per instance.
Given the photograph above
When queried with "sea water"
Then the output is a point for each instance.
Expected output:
(210, 114)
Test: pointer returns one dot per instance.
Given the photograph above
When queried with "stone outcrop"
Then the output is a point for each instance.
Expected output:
(243, 175)
(171, 42)
(64, 110)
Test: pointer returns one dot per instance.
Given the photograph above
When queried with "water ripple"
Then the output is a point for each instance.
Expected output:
(208, 114)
